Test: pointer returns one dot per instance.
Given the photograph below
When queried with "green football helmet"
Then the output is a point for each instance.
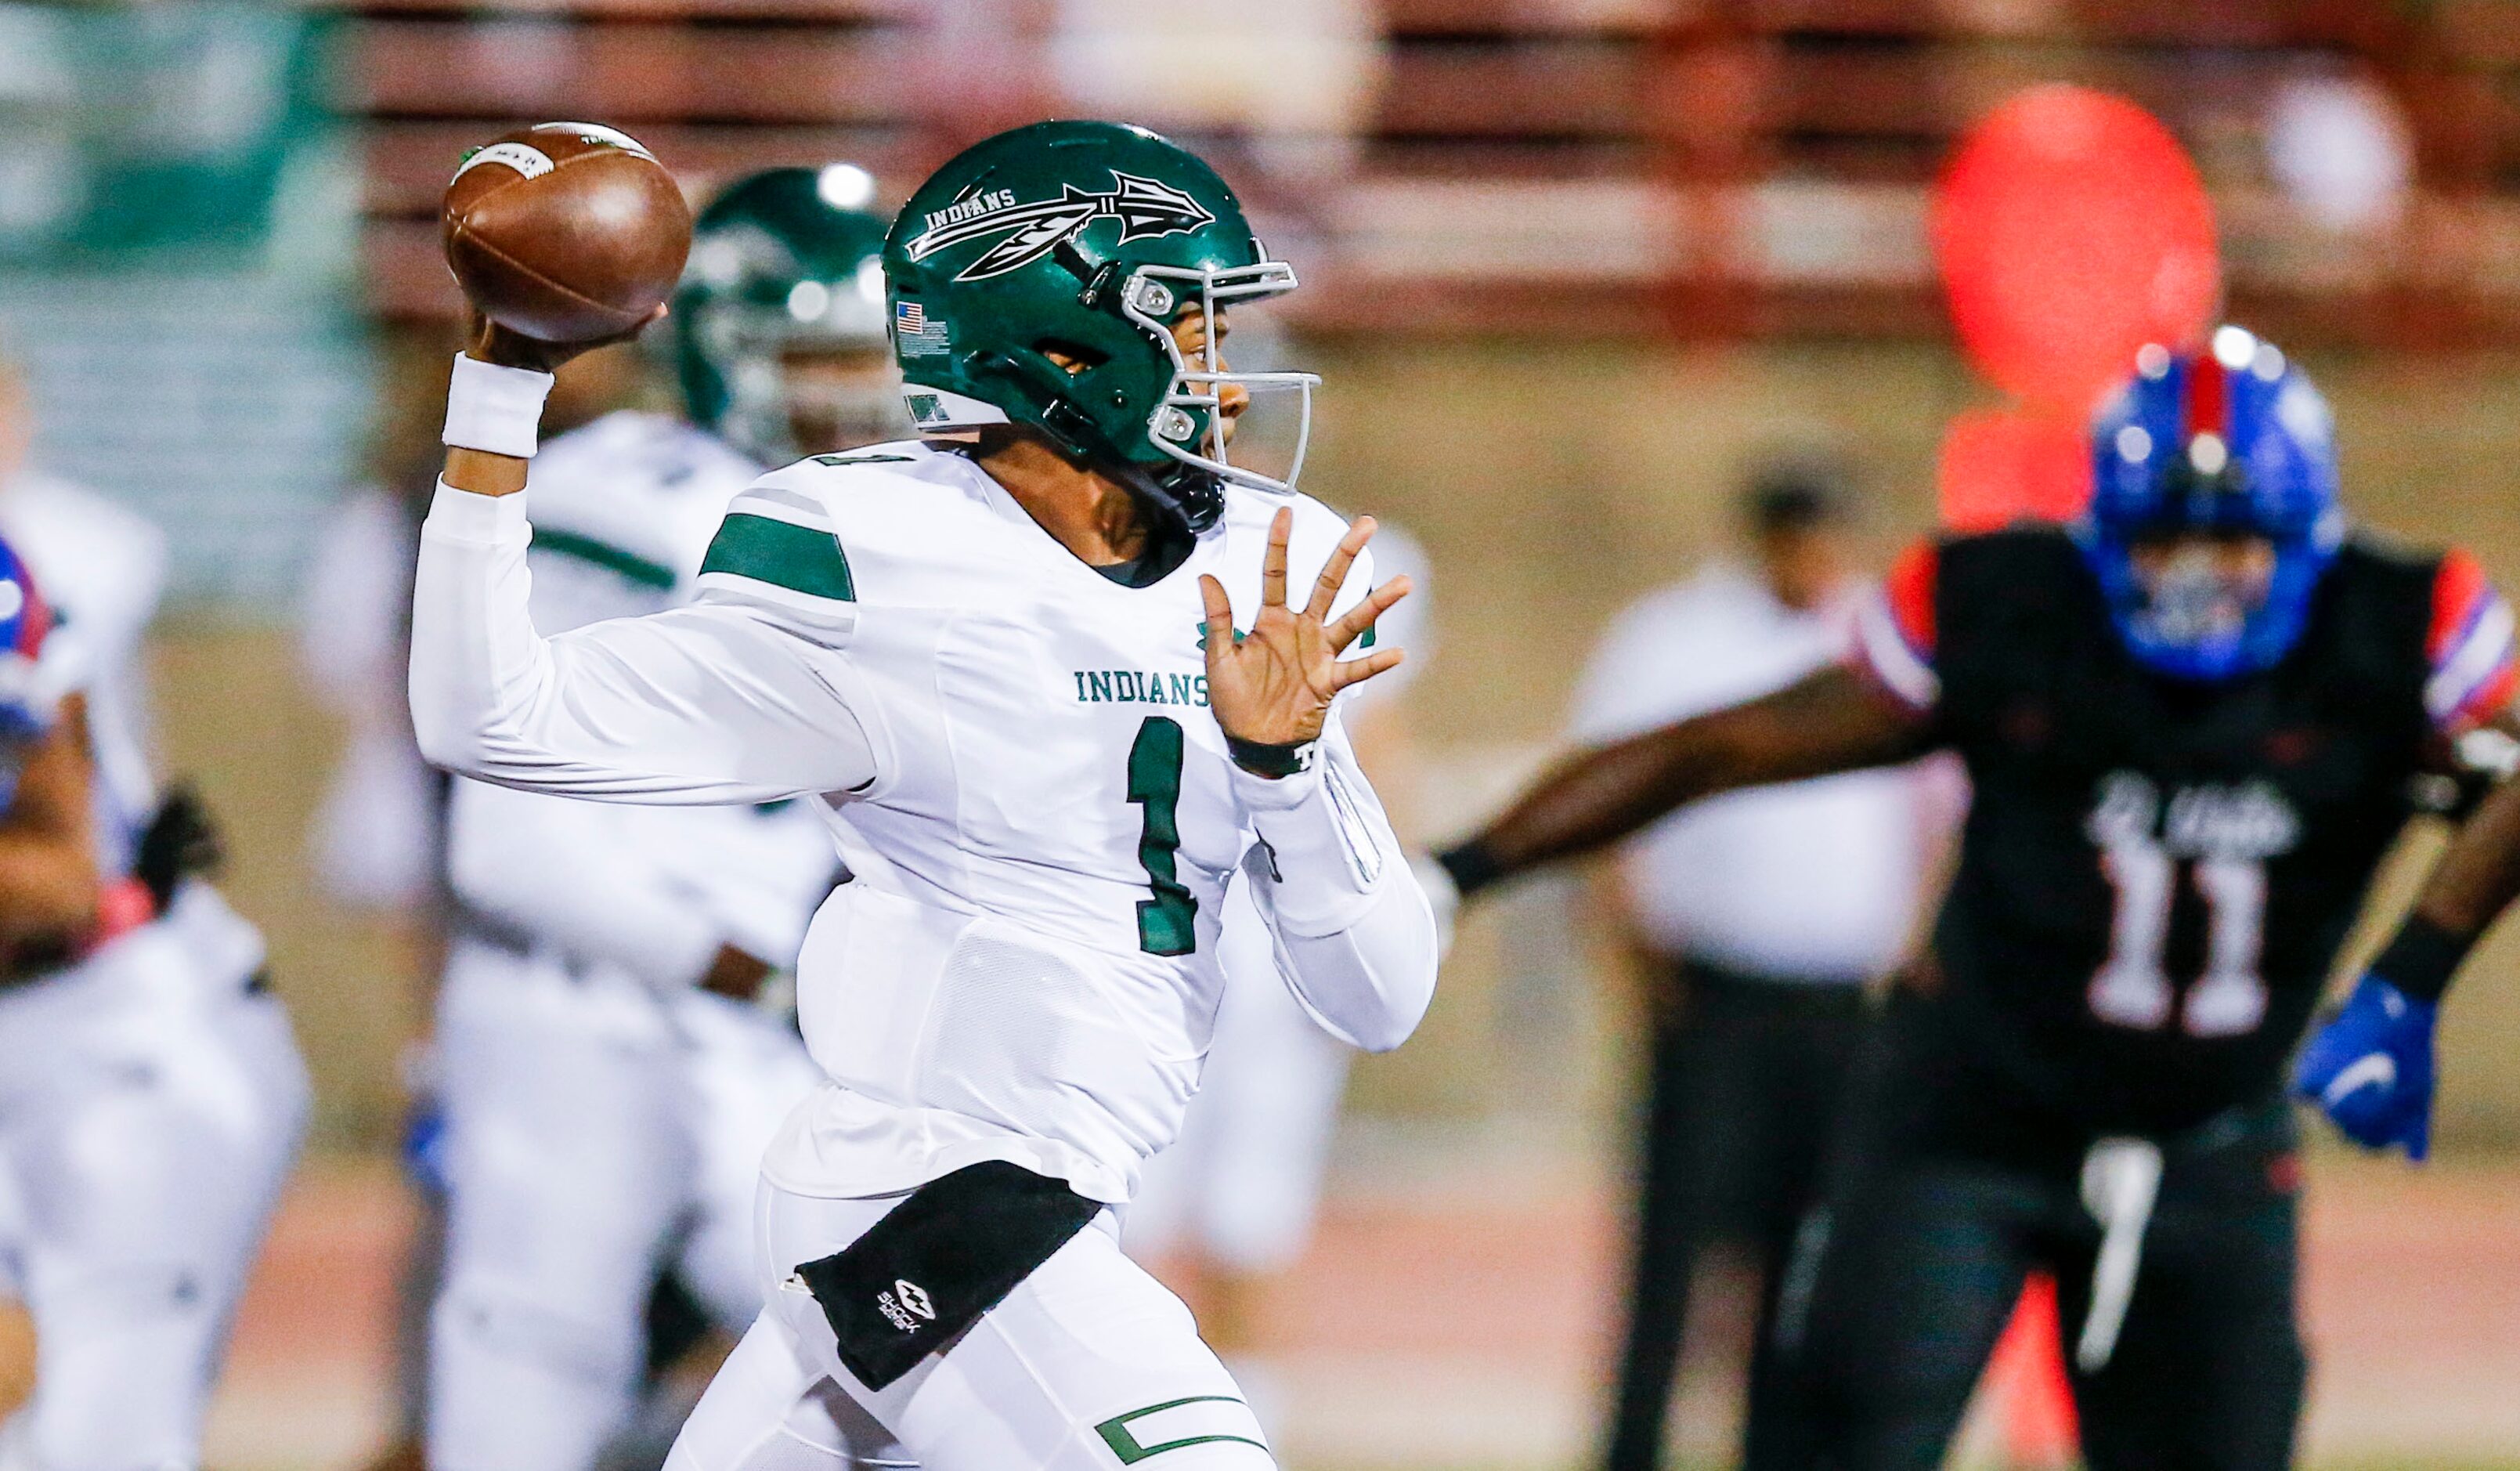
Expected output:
(787, 264)
(1088, 240)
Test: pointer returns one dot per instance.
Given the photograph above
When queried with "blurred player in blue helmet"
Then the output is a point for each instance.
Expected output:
(2214, 510)
(151, 1098)
(2192, 725)
(25, 715)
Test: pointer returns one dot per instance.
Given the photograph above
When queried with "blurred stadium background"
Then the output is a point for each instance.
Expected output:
(1569, 264)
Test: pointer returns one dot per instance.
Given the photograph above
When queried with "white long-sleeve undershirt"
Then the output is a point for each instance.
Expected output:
(1356, 938)
(700, 704)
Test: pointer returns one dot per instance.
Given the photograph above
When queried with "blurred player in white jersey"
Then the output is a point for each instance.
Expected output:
(150, 1095)
(1231, 1204)
(610, 1075)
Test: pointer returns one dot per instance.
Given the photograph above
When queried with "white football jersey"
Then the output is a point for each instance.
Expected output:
(1028, 948)
(1016, 756)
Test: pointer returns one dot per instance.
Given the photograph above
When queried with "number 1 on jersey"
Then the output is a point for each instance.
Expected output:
(1166, 923)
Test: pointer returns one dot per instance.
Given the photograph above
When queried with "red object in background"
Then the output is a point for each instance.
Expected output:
(2026, 1378)
(1999, 465)
(2071, 229)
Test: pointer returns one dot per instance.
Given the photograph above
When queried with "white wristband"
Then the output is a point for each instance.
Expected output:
(494, 409)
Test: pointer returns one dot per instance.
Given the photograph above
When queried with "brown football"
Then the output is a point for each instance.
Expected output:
(565, 231)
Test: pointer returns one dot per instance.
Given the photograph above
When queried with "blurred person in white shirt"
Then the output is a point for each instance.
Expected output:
(1758, 918)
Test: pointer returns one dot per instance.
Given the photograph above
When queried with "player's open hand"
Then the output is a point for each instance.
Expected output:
(1273, 686)
(491, 343)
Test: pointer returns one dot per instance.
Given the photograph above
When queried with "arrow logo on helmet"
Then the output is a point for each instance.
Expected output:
(1144, 207)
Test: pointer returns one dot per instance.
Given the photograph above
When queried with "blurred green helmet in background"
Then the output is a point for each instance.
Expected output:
(1088, 241)
(785, 268)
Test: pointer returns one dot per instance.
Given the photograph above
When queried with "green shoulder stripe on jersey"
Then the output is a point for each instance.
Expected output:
(627, 565)
(781, 554)
(862, 459)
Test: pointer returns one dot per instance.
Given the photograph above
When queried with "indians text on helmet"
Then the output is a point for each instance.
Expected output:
(1144, 208)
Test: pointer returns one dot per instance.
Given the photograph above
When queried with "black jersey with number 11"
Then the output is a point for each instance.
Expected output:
(2155, 874)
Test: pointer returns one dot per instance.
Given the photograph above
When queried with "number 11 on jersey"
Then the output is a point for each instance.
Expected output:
(2133, 988)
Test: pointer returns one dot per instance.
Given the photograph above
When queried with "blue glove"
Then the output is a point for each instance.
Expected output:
(2370, 1068)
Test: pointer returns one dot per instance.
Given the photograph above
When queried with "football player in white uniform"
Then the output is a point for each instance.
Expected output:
(608, 1079)
(150, 1095)
(1006, 669)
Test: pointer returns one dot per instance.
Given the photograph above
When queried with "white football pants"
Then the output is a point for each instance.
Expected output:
(1242, 1180)
(1089, 1365)
(150, 1107)
(596, 1134)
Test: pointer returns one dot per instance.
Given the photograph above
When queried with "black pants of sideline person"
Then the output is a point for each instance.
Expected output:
(1744, 1086)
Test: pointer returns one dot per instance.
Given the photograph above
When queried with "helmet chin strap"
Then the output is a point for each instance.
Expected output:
(1184, 499)
(1192, 496)
(1181, 502)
